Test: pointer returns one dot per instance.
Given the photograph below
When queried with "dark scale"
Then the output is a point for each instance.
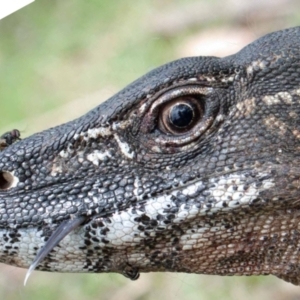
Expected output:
(8, 138)
(130, 272)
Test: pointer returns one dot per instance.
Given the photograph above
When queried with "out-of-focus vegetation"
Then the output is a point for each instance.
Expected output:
(54, 52)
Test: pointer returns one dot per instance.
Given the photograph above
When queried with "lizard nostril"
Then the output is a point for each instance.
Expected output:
(7, 180)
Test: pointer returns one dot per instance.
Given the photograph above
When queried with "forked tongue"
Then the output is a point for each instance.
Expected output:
(61, 231)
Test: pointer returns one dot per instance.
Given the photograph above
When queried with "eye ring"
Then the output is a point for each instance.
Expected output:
(180, 115)
(157, 134)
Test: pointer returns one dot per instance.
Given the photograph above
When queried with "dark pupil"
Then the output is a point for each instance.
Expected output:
(181, 115)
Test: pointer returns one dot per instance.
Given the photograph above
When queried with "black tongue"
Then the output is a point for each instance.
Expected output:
(61, 231)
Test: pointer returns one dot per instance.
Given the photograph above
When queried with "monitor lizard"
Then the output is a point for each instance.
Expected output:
(191, 168)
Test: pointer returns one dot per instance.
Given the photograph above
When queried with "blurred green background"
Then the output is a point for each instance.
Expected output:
(60, 58)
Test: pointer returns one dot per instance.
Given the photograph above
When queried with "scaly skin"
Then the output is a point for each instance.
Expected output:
(131, 188)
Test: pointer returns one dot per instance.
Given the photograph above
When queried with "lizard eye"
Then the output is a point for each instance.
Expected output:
(180, 114)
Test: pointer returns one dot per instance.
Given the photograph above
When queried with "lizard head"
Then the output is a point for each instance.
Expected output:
(191, 168)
